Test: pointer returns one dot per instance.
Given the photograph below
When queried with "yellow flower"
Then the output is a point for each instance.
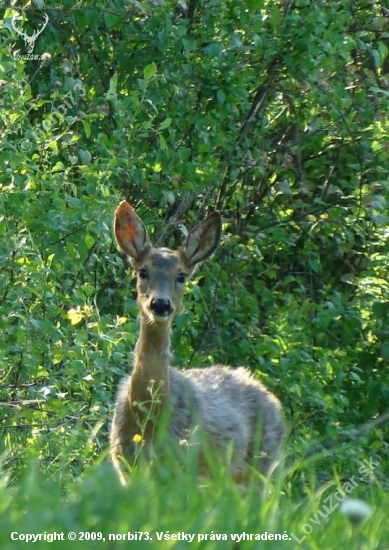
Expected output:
(137, 438)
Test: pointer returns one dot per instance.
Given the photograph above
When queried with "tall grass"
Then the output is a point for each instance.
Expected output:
(166, 500)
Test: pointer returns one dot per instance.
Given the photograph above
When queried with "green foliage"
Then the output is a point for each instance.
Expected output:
(275, 113)
(204, 508)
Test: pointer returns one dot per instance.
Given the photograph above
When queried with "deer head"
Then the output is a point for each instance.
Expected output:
(162, 272)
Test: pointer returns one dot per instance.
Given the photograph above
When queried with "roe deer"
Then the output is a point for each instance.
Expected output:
(228, 405)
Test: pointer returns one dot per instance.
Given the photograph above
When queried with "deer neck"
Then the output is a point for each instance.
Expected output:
(151, 365)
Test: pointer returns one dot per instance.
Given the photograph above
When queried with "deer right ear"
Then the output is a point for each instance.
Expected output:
(130, 232)
(203, 239)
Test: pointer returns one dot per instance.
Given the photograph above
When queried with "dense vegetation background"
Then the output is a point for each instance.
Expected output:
(274, 112)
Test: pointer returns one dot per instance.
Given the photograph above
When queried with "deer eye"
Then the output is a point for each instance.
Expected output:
(181, 278)
(143, 273)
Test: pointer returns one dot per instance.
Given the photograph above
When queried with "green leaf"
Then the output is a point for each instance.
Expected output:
(113, 82)
(162, 141)
(87, 127)
(380, 310)
(85, 156)
(221, 96)
(165, 124)
(379, 91)
(150, 71)
(75, 316)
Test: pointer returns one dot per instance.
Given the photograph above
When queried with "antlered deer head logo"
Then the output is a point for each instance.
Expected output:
(29, 40)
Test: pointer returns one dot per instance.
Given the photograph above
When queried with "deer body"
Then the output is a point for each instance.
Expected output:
(228, 405)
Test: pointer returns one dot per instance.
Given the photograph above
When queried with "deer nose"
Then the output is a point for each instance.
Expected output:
(161, 306)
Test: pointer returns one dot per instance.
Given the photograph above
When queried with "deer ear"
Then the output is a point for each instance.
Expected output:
(203, 240)
(130, 232)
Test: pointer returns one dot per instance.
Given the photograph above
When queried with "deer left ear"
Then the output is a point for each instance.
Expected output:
(130, 232)
(203, 240)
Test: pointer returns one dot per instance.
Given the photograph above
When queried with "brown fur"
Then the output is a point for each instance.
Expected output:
(229, 406)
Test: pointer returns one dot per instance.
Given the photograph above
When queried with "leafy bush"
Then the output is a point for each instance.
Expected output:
(273, 112)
